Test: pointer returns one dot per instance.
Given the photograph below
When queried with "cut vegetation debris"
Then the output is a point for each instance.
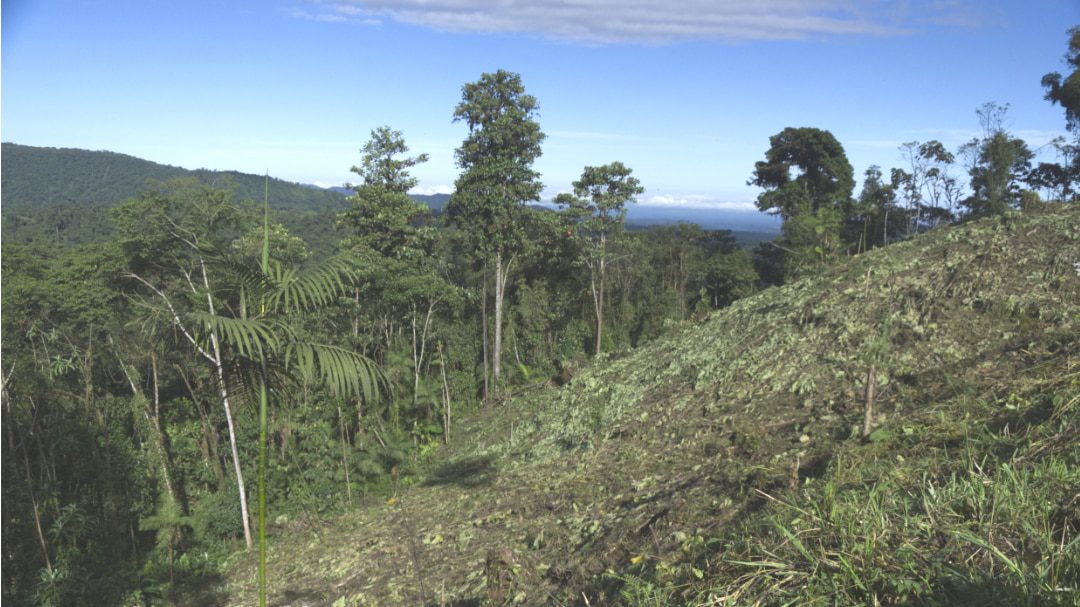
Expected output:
(902, 429)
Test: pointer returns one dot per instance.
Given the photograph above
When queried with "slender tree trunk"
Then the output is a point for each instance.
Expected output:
(496, 354)
(597, 279)
(219, 369)
(37, 514)
(885, 229)
(152, 428)
(159, 433)
(419, 345)
(501, 274)
(600, 306)
(868, 414)
(215, 358)
(484, 331)
(345, 453)
(446, 396)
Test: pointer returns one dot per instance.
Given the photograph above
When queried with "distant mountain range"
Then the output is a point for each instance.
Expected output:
(42, 188)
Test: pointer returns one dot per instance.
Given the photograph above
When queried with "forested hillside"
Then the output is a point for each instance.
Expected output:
(36, 177)
(134, 362)
(61, 196)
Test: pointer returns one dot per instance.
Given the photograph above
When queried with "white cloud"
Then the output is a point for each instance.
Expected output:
(654, 21)
(1037, 139)
(333, 14)
(428, 190)
(695, 201)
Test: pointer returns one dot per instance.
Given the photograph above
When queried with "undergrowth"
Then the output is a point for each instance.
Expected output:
(908, 520)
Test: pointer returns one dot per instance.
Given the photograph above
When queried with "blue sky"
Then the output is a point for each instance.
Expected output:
(685, 92)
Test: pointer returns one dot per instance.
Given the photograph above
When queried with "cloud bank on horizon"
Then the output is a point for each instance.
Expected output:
(651, 21)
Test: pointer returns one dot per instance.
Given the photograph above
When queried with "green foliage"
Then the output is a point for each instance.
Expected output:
(496, 158)
(596, 211)
(63, 195)
(877, 219)
(1065, 90)
(808, 181)
(381, 215)
(823, 176)
(998, 162)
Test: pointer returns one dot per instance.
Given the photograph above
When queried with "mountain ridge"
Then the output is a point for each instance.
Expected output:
(38, 178)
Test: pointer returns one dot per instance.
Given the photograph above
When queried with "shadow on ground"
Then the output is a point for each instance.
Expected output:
(467, 472)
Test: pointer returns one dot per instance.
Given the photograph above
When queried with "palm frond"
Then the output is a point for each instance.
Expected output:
(246, 274)
(244, 376)
(253, 338)
(343, 371)
(314, 287)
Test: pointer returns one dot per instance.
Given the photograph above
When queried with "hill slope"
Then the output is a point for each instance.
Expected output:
(56, 195)
(724, 464)
(39, 177)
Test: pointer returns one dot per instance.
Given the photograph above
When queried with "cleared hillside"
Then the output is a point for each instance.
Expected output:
(725, 464)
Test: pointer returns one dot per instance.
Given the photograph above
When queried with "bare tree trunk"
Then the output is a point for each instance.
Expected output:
(159, 432)
(501, 275)
(598, 293)
(345, 453)
(446, 396)
(419, 343)
(496, 355)
(37, 513)
(885, 229)
(244, 514)
(484, 330)
(219, 369)
(215, 358)
(153, 428)
(868, 414)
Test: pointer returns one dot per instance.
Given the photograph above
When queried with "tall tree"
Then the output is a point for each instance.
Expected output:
(1064, 177)
(823, 177)
(877, 218)
(165, 235)
(997, 164)
(598, 207)
(1065, 90)
(405, 277)
(381, 214)
(497, 179)
(808, 181)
